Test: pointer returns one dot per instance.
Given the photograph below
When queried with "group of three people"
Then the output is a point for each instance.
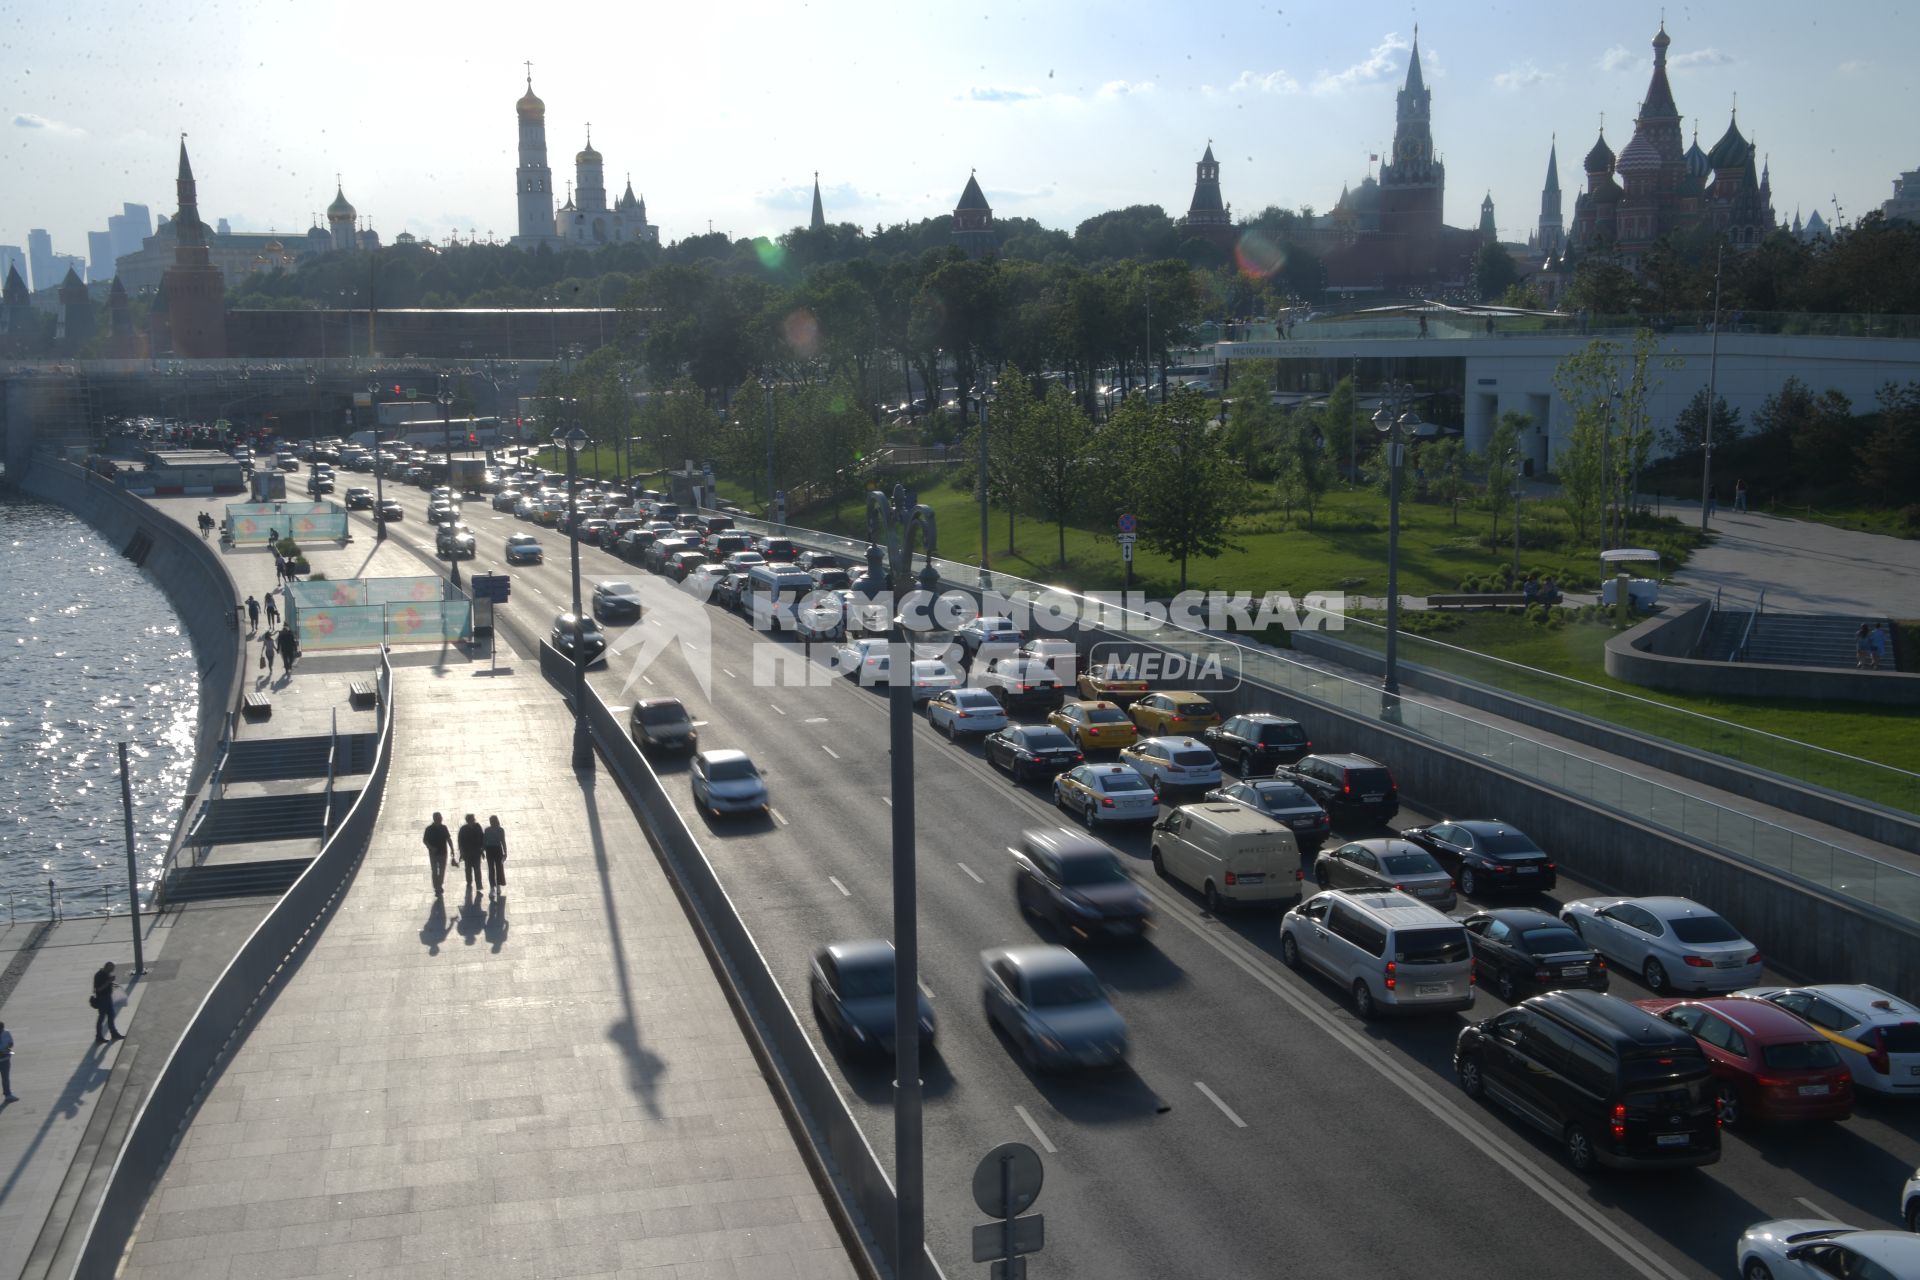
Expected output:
(479, 846)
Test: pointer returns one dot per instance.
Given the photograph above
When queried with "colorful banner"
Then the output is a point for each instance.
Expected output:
(370, 626)
(254, 522)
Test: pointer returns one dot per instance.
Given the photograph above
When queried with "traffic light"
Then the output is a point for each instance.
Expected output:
(470, 437)
(396, 388)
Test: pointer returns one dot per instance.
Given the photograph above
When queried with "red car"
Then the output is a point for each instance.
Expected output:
(1767, 1063)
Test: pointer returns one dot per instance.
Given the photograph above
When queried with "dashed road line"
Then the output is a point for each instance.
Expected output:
(926, 990)
(728, 674)
(776, 707)
(844, 891)
(830, 751)
(814, 720)
(1038, 1133)
(777, 816)
(1225, 1110)
(887, 800)
(971, 872)
(1814, 1209)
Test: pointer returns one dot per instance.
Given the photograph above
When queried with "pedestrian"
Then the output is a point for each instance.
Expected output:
(253, 614)
(1530, 589)
(289, 648)
(494, 841)
(104, 1028)
(273, 610)
(1863, 646)
(6, 1065)
(472, 847)
(1739, 495)
(1882, 647)
(1550, 590)
(1423, 326)
(439, 842)
(266, 653)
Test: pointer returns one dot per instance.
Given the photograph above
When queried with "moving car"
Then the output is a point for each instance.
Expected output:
(1173, 712)
(524, 548)
(593, 641)
(727, 782)
(1523, 950)
(506, 500)
(1822, 1249)
(1284, 802)
(662, 724)
(1028, 751)
(359, 499)
(1173, 764)
(1672, 943)
(1354, 790)
(1876, 1034)
(616, 600)
(1767, 1064)
(392, 510)
(1105, 793)
(1051, 1006)
(959, 711)
(1485, 856)
(1257, 743)
(1095, 726)
(851, 985)
(1077, 885)
(1383, 865)
(454, 541)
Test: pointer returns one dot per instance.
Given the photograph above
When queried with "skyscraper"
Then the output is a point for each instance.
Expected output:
(40, 258)
(99, 255)
(129, 228)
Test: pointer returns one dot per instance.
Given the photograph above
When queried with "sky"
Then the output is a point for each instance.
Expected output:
(1065, 108)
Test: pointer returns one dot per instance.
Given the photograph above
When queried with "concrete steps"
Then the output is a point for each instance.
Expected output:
(1804, 640)
(278, 759)
(262, 819)
(1722, 636)
(233, 880)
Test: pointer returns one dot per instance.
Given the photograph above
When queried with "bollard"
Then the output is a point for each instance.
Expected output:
(53, 900)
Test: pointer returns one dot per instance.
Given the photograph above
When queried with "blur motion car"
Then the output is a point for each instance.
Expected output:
(963, 710)
(851, 985)
(727, 782)
(662, 724)
(454, 542)
(1173, 712)
(390, 509)
(593, 641)
(1521, 951)
(1354, 790)
(443, 513)
(1105, 793)
(1095, 726)
(1077, 885)
(1257, 743)
(616, 600)
(1876, 1034)
(1284, 802)
(528, 508)
(523, 548)
(991, 632)
(506, 499)
(1822, 1249)
(1768, 1065)
(1386, 864)
(1051, 1006)
(1028, 751)
(1672, 943)
(1485, 856)
(1172, 765)
(359, 499)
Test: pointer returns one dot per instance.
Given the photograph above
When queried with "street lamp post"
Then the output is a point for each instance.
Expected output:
(571, 442)
(313, 412)
(1713, 380)
(1514, 454)
(1392, 425)
(896, 518)
(986, 565)
(379, 466)
(445, 399)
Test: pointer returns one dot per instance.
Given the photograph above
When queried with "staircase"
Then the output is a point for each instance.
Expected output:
(233, 880)
(260, 819)
(1804, 640)
(278, 759)
(1722, 636)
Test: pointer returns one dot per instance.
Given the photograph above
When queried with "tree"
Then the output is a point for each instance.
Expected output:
(1523, 296)
(1054, 448)
(1687, 433)
(1493, 271)
(1177, 477)
(1304, 473)
(1603, 287)
(1349, 438)
(1608, 387)
(1503, 453)
(1810, 439)
(1013, 412)
(677, 424)
(1889, 458)
(1253, 426)
(1442, 465)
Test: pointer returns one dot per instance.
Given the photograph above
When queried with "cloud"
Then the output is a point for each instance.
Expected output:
(799, 199)
(1271, 82)
(1708, 57)
(998, 93)
(1619, 58)
(1524, 76)
(1382, 61)
(28, 120)
(1856, 67)
(1122, 88)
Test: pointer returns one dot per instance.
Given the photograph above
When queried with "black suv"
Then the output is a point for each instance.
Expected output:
(1257, 743)
(1613, 1084)
(1349, 788)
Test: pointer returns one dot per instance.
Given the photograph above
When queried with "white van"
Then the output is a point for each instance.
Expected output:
(1228, 852)
(771, 591)
(1386, 949)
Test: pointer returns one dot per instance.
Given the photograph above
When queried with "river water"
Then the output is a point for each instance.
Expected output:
(91, 655)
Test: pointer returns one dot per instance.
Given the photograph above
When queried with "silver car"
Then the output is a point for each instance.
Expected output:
(1674, 944)
(1820, 1249)
(1051, 1006)
(1386, 864)
(728, 782)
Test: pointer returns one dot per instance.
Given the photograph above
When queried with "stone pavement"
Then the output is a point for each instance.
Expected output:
(1805, 567)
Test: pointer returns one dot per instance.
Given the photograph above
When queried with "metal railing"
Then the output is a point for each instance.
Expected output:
(1706, 623)
(1746, 632)
(1445, 325)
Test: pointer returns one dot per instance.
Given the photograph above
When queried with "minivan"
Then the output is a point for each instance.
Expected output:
(1386, 950)
(1229, 853)
(1351, 788)
(1613, 1084)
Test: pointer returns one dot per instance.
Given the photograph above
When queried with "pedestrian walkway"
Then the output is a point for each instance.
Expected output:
(1804, 567)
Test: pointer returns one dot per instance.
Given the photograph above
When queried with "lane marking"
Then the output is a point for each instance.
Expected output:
(728, 674)
(1225, 1110)
(648, 679)
(887, 800)
(970, 871)
(814, 720)
(844, 891)
(777, 815)
(1045, 1145)
(1814, 1209)
(776, 707)
(926, 990)
(830, 751)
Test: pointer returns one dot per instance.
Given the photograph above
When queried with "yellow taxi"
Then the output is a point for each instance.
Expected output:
(1094, 726)
(1173, 713)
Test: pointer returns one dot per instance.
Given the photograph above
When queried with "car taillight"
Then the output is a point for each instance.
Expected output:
(1325, 821)
(1026, 688)
(1600, 964)
(1346, 788)
(1391, 980)
(1078, 756)
(1399, 888)
(1754, 958)
(1106, 802)
(1877, 1059)
(1549, 866)
(1473, 970)
(1542, 975)
(1619, 1121)
(1231, 881)
(1695, 962)
(1452, 885)
(960, 715)
(1298, 874)
(1498, 868)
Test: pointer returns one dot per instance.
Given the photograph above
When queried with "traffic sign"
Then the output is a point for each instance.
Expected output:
(497, 587)
(1007, 1180)
(990, 1238)
(1126, 551)
(1125, 539)
(1127, 523)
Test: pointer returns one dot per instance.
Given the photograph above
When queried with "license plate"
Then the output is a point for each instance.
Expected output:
(1526, 871)
(1815, 1090)
(1913, 1071)
(1432, 989)
(1375, 798)
(1259, 879)
(1305, 824)
(1672, 1139)
(1574, 971)
(1734, 963)
(1432, 891)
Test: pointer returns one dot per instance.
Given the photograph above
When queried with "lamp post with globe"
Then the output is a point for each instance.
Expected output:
(1392, 421)
(572, 442)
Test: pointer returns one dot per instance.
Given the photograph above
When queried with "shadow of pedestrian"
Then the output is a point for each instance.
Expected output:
(473, 919)
(435, 930)
(88, 1076)
(497, 922)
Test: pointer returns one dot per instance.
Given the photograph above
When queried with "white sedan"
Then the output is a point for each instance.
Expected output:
(1821, 1249)
(959, 711)
(728, 782)
(862, 660)
(1674, 944)
(1102, 793)
(931, 676)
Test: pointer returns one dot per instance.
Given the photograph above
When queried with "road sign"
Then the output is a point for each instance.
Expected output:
(1126, 551)
(1011, 1269)
(990, 1238)
(497, 587)
(1128, 524)
(1125, 539)
(1007, 1180)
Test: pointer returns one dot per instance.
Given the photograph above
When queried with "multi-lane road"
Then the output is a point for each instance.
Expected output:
(1259, 1127)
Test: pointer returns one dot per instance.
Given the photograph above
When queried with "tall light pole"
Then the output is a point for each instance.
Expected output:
(770, 447)
(445, 399)
(379, 466)
(1713, 379)
(313, 412)
(1391, 425)
(1515, 497)
(986, 565)
(571, 442)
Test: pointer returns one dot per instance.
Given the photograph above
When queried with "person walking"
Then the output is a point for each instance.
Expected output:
(253, 615)
(6, 1065)
(472, 848)
(104, 1027)
(273, 610)
(267, 651)
(439, 842)
(1882, 647)
(1863, 646)
(1739, 495)
(289, 648)
(494, 841)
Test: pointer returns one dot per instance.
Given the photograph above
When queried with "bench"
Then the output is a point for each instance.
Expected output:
(1476, 600)
(363, 693)
(256, 706)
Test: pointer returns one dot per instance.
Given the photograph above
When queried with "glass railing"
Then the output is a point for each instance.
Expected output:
(1739, 835)
(1561, 324)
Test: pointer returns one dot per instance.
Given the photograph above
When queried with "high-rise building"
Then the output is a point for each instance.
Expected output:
(1905, 204)
(132, 225)
(973, 221)
(99, 255)
(40, 259)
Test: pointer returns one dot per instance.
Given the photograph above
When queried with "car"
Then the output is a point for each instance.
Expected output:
(320, 482)
(593, 641)
(662, 724)
(454, 542)
(523, 548)
(1050, 1005)
(1612, 1084)
(590, 530)
(1370, 865)
(661, 553)
(1059, 655)
(1521, 950)
(1021, 685)
(506, 500)
(1877, 1034)
(719, 546)
(727, 782)
(443, 513)
(812, 561)
(832, 578)
(682, 564)
(987, 632)
(1079, 886)
(741, 561)
(1823, 1249)
(931, 676)
(1173, 764)
(1105, 793)
(1390, 952)
(1173, 712)
(1768, 1065)
(1257, 743)
(632, 545)
(777, 550)
(528, 507)
(1111, 682)
(851, 986)
(616, 600)
(1910, 1203)
(1672, 943)
(727, 588)
(959, 711)
(1285, 803)
(1354, 790)
(391, 509)
(865, 660)
(1028, 751)
(1485, 856)
(1095, 726)
(359, 499)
